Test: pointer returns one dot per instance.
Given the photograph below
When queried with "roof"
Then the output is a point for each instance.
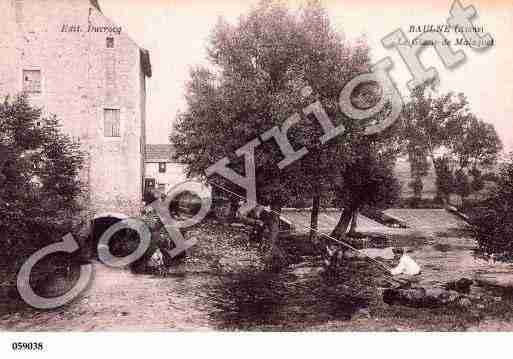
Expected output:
(146, 62)
(144, 53)
(159, 153)
(95, 4)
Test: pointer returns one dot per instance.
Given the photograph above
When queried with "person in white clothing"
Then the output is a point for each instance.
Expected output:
(406, 264)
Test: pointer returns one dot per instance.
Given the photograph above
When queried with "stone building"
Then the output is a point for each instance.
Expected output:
(74, 62)
(163, 173)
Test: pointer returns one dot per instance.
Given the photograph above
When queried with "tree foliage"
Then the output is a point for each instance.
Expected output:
(494, 225)
(367, 179)
(39, 170)
(272, 64)
(444, 129)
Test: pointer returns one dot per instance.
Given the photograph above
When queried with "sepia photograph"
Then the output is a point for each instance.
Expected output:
(285, 168)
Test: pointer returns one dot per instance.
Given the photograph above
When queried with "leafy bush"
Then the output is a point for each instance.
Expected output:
(39, 186)
(494, 222)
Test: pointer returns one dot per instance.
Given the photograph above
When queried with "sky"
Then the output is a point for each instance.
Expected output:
(176, 34)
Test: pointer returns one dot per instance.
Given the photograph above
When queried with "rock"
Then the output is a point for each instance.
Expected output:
(502, 280)
(386, 253)
(420, 297)
(404, 296)
(437, 293)
(306, 271)
(461, 285)
(442, 295)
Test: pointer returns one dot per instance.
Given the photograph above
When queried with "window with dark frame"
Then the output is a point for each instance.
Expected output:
(32, 81)
(149, 183)
(110, 42)
(162, 167)
(112, 123)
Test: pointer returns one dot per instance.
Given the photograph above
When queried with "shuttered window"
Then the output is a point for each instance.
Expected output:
(149, 183)
(111, 123)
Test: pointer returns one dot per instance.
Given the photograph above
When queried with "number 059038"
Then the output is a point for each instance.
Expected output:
(18, 346)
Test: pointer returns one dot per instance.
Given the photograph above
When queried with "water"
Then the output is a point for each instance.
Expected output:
(222, 286)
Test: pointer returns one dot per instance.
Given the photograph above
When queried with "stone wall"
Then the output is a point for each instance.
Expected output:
(81, 77)
(174, 175)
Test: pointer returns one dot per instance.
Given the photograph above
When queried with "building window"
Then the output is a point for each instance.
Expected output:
(162, 167)
(111, 123)
(149, 183)
(32, 81)
(110, 42)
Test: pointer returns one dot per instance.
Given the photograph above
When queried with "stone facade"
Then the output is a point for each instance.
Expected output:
(172, 174)
(74, 62)
(163, 173)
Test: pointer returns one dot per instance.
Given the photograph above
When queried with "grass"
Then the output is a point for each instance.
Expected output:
(306, 297)
(241, 295)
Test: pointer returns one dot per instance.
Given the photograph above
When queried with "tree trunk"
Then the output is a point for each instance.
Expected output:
(234, 207)
(275, 259)
(346, 219)
(354, 221)
(314, 217)
(446, 199)
(344, 222)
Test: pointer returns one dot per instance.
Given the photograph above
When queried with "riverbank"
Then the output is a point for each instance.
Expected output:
(222, 285)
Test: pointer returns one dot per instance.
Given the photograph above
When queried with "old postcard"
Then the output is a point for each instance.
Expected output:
(255, 166)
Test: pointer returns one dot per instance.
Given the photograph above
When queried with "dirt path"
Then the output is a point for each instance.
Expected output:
(221, 287)
(120, 300)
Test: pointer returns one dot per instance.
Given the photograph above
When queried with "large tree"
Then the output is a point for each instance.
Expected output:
(273, 64)
(39, 167)
(494, 224)
(366, 179)
(443, 128)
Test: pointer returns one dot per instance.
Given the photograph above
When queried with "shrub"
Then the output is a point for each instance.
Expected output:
(494, 222)
(39, 185)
